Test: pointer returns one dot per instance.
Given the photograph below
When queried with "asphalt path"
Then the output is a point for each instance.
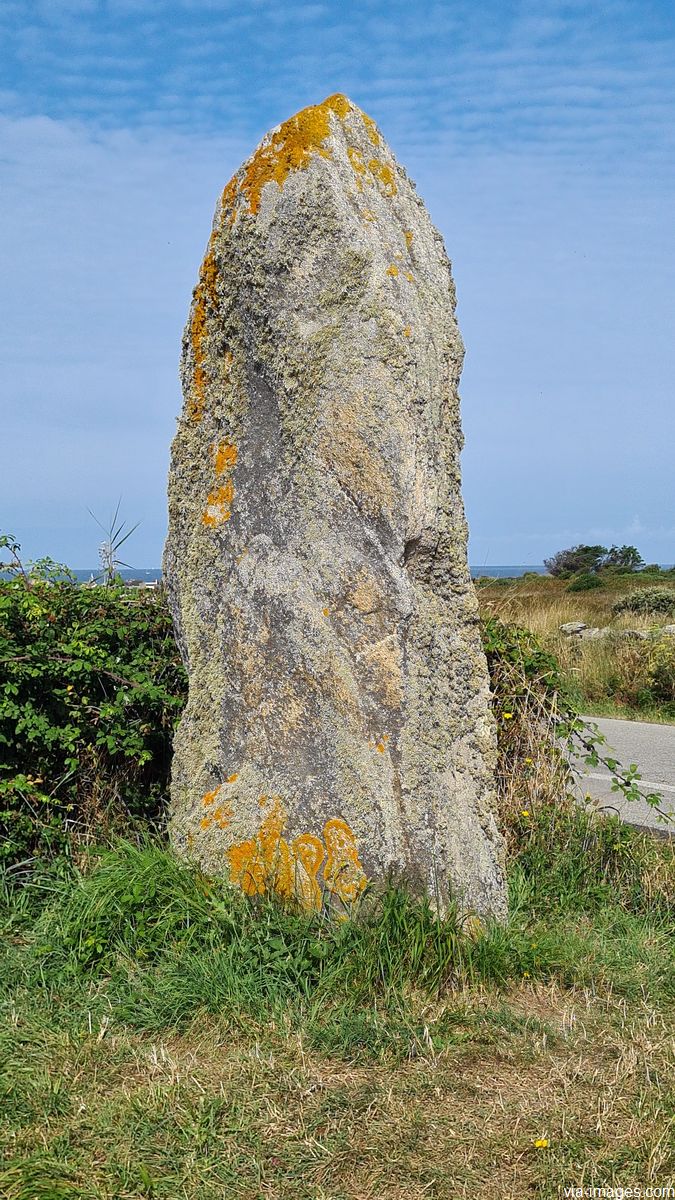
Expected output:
(652, 748)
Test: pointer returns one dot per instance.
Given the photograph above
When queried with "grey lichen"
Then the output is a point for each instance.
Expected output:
(338, 726)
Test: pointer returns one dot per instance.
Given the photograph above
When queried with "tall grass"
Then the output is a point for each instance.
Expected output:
(157, 943)
(611, 675)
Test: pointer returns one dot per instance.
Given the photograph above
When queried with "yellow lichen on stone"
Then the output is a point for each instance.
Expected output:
(225, 457)
(356, 159)
(365, 596)
(289, 148)
(407, 331)
(343, 874)
(308, 853)
(267, 863)
(223, 815)
(368, 215)
(205, 301)
(392, 270)
(384, 176)
(409, 277)
(371, 129)
(408, 235)
(218, 505)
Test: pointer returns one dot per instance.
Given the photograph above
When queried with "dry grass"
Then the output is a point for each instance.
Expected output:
(608, 676)
(210, 1114)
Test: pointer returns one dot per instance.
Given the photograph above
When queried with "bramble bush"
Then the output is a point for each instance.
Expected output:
(91, 686)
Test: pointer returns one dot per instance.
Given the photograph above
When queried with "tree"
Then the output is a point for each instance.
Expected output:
(586, 559)
(623, 558)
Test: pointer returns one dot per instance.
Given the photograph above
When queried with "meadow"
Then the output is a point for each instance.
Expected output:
(614, 676)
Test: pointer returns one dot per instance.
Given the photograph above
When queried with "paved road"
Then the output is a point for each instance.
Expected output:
(652, 747)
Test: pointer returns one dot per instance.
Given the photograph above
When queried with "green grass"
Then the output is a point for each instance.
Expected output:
(161, 1036)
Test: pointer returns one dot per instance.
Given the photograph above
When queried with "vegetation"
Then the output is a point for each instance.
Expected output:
(162, 1036)
(165, 1037)
(90, 689)
(584, 583)
(647, 600)
(587, 559)
(622, 674)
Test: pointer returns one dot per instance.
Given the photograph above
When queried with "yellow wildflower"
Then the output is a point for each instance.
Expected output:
(524, 812)
(507, 716)
(541, 1143)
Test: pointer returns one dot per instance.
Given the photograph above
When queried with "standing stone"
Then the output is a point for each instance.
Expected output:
(338, 725)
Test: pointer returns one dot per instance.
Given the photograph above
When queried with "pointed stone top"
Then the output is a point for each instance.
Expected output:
(291, 147)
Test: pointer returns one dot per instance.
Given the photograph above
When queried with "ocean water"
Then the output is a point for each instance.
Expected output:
(148, 574)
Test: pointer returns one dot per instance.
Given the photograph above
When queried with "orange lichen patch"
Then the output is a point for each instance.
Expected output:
(408, 235)
(343, 873)
(267, 863)
(264, 863)
(380, 744)
(384, 176)
(407, 331)
(232, 778)
(225, 457)
(223, 815)
(392, 270)
(289, 148)
(356, 159)
(228, 200)
(206, 300)
(205, 823)
(210, 797)
(372, 130)
(308, 854)
(246, 869)
(218, 505)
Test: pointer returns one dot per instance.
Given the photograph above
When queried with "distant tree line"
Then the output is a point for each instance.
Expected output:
(588, 560)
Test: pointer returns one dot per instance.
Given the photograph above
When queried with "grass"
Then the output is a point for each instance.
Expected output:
(162, 1037)
(607, 677)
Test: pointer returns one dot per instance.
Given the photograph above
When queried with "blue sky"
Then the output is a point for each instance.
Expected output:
(541, 137)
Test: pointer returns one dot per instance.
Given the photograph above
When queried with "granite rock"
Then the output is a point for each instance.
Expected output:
(338, 727)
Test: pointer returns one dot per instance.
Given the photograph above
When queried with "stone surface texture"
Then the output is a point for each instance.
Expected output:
(338, 726)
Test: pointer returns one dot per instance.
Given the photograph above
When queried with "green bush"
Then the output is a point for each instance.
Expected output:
(90, 689)
(584, 583)
(658, 600)
(661, 670)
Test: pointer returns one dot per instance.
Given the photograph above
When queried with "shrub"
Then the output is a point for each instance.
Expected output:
(647, 600)
(661, 669)
(584, 583)
(90, 689)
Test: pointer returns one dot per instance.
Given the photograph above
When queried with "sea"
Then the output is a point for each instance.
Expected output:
(152, 574)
